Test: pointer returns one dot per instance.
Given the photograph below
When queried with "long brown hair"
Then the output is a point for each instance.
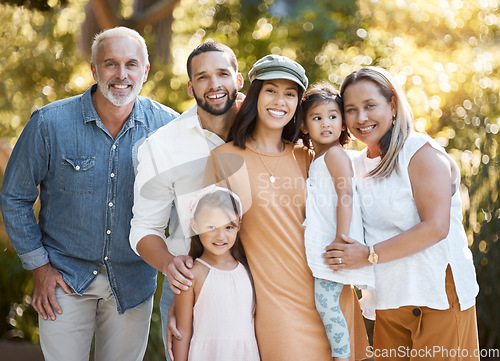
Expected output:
(232, 208)
(245, 120)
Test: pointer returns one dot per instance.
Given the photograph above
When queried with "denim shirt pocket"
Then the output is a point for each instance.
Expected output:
(77, 174)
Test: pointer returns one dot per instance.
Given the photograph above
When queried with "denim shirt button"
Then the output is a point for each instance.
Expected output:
(110, 204)
(95, 272)
(112, 175)
(106, 258)
(114, 146)
(77, 167)
(108, 232)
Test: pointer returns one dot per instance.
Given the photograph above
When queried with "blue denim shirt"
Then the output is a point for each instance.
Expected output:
(86, 181)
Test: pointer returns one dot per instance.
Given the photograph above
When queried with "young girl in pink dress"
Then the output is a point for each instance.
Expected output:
(216, 315)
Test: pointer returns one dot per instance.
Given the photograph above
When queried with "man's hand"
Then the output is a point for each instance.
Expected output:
(179, 274)
(45, 280)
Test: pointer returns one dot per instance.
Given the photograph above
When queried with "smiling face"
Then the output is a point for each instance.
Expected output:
(217, 229)
(368, 114)
(214, 82)
(276, 104)
(120, 69)
(323, 123)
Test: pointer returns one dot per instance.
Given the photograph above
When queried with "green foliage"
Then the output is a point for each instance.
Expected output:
(156, 349)
(39, 60)
(42, 5)
(443, 53)
(18, 319)
(252, 29)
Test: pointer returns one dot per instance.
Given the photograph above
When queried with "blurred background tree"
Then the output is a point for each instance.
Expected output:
(445, 54)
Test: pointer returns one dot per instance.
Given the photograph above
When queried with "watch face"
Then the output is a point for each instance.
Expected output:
(373, 258)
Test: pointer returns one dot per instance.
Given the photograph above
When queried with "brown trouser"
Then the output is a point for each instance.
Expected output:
(422, 333)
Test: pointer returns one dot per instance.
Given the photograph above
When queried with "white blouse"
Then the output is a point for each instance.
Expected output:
(321, 226)
(388, 208)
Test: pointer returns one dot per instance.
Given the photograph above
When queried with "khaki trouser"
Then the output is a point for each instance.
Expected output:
(117, 337)
(422, 333)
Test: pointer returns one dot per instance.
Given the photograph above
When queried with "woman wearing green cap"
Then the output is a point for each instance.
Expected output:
(264, 137)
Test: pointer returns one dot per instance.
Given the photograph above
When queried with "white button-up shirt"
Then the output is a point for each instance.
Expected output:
(171, 166)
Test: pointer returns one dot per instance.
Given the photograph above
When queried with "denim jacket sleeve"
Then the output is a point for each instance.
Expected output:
(26, 169)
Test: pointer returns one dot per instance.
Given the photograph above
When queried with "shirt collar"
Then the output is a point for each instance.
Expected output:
(90, 114)
(191, 118)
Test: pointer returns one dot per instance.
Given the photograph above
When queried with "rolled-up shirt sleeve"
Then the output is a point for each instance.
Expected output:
(35, 259)
(153, 198)
(150, 217)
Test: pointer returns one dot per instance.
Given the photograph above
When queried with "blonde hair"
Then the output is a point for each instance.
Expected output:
(392, 142)
(119, 32)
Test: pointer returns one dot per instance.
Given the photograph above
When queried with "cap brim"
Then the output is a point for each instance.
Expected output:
(280, 75)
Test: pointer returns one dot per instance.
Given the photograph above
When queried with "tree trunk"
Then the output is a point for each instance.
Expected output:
(93, 24)
(161, 30)
(103, 14)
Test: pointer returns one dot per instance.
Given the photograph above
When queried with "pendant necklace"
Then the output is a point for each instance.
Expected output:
(272, 179)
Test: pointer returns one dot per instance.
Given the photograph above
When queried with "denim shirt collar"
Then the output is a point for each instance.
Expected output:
(90, 114)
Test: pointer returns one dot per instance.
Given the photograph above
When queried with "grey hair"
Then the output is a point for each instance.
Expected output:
(119, 32)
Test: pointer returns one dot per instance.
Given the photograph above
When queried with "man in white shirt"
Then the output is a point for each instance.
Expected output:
(172, 164)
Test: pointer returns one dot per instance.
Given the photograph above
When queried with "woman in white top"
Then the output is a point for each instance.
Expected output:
(409, 192)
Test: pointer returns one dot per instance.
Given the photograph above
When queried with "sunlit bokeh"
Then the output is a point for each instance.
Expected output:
(444, 53)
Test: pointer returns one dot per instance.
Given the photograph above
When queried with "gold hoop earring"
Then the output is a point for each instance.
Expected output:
(394, 119)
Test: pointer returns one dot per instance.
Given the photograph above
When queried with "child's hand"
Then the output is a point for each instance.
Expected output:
(337, 240)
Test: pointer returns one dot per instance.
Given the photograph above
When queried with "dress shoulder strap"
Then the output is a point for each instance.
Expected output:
(204, 263)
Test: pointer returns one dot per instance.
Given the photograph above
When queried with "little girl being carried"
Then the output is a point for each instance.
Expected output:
(332, 209)
(216, 315)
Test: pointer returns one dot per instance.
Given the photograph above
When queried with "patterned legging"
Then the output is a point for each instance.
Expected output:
(326, 295)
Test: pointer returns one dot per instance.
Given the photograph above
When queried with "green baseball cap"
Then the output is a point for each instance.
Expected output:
(278, 67)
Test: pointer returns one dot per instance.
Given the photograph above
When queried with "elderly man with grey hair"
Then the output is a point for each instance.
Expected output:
(80, 153)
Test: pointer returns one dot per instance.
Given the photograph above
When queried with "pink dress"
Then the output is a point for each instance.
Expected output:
(223, 322)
